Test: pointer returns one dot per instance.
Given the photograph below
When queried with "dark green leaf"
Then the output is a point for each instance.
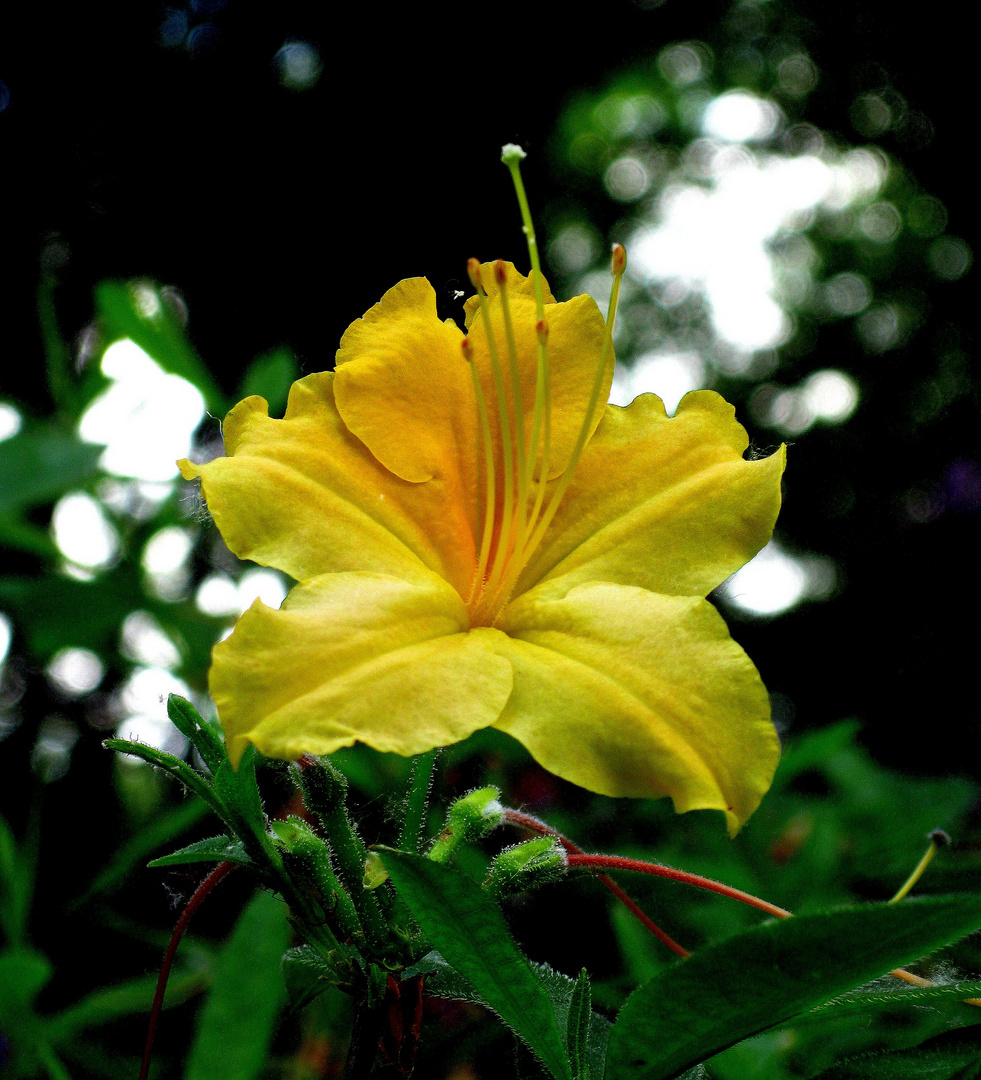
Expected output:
(236, 1023)
(17, 867)
(125, 999)
(955, 1055)
(136, 310)
(202, 735)
(737, 987)
(41, 463)
(885, 996)
(270, 376)
(217, 849)
(577, 1026)
(239, 791)
(468, 929)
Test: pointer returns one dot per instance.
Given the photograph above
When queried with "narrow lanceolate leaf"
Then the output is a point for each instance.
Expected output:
(467, 927)
(192, 780)
(737, 987)
(577, 1029)
(216, 849)
(237, 1020)
(955, 1055)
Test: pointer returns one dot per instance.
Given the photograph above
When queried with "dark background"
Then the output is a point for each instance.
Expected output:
(281, 215)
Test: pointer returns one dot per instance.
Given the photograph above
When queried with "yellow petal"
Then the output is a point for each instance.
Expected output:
(357, 657)
(575, 344)
(628, 692)
(668, 504)
(304, 495)
(403, 387)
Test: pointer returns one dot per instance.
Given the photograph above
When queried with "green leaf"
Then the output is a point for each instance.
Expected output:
(201, 734)
(577, 1026)
(467, 927)
(217, 849)
(124, 999)
(238, 790)
(17, 866)
(955, 1055)
(192, 780)
(136, 310)
(236, 1023)
(41, 463)
(737, 987)
(270, 376)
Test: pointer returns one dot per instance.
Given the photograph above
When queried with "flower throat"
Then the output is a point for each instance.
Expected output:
(516, 514)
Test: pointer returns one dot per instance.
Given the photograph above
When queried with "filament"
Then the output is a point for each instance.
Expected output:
(488, 530)
(504, 539)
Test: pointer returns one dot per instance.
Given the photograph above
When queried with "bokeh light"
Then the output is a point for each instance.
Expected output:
(143, 641)
(142, 701)
(776, 581)
(165, 562)
(83, 533)
(146, 418)
(75, 672)
(669, 375)
(10, 421)
(298, 65)
(6, 636)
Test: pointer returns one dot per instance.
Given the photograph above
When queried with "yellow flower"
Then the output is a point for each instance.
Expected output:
(479, 540)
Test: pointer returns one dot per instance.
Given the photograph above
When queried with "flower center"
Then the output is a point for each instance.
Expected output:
(519, 500)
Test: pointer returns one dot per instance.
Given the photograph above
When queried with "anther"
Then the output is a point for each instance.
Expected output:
(500, 272)
(466, 347)
(541, 329)
(473, 272)
(511, 152)
(618, 261)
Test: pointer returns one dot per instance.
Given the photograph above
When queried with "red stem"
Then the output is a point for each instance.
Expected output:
(618, 862)
(175, 939)
(532, 824)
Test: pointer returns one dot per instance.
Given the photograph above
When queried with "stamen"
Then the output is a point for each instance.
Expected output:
(512, 156)
(938, 839)
(491, 494)
(504, 415)
(618, 266)
(521, 505)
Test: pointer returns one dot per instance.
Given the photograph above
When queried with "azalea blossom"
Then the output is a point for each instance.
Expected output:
(478, 539)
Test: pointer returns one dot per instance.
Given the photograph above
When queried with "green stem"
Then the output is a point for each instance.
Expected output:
(417, 801)
(324, 791)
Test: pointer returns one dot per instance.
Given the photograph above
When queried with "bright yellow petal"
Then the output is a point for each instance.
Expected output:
(669, 504)
(357, 657)
(403, 387)
(628, 692)
(575, 344)
(304, 495)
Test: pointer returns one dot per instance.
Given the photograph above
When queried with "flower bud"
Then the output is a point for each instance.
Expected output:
(526, 866)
